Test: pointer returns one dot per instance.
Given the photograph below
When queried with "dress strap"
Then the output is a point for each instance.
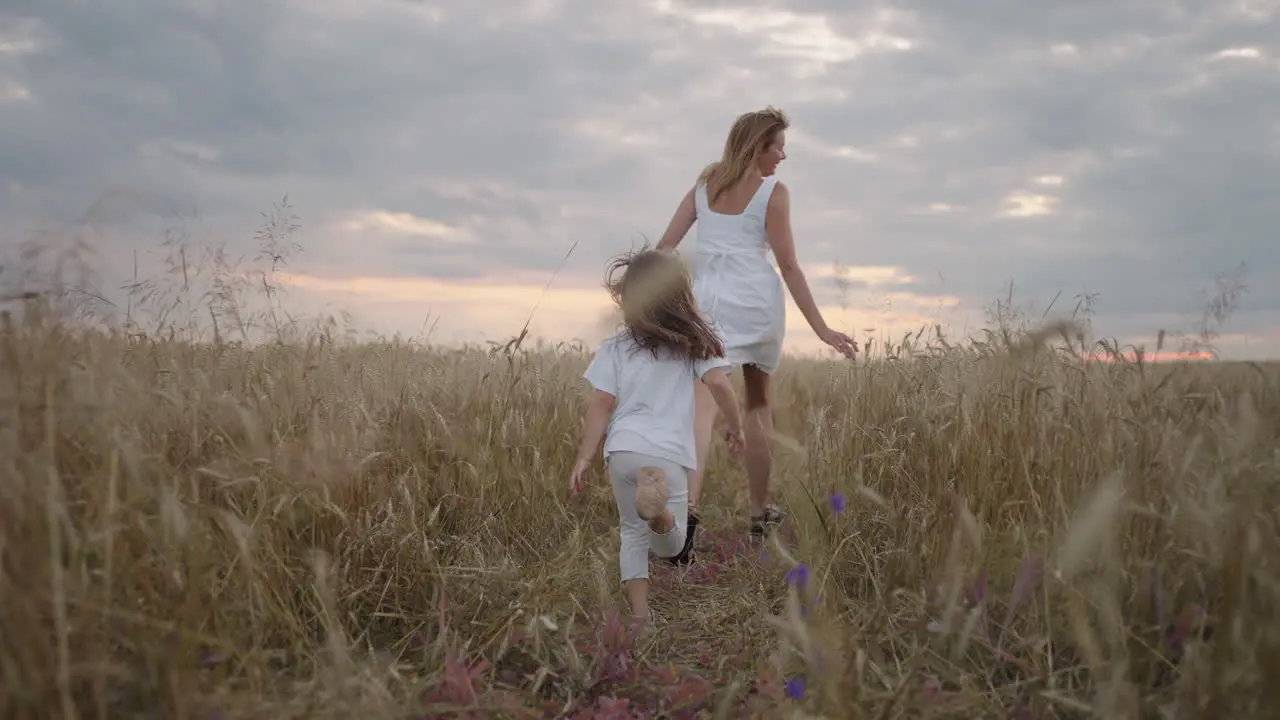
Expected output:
(760, 201)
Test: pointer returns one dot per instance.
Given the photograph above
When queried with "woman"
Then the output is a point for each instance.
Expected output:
(743, 212)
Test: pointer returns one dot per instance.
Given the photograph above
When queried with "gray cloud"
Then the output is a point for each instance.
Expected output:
(521, 128)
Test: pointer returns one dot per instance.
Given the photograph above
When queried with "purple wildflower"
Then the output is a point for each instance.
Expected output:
(795, 688)
(798, 575)
(838, 503)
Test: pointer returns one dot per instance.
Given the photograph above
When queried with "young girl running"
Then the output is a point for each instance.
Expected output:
(644, 378)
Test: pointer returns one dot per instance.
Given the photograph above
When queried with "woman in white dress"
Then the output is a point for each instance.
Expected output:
(743, 212)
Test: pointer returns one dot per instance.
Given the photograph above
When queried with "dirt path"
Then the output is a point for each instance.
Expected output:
(713, 648)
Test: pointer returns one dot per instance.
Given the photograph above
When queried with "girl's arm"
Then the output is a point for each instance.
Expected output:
(680, 223)
(717, 381)
(599, 409)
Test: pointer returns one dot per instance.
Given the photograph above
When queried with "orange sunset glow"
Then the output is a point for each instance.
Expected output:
(1150, 357)
(496, 309)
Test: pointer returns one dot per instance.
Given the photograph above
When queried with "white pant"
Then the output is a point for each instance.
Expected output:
(637, 539)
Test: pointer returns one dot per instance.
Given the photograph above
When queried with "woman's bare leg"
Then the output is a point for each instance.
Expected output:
(759, 436)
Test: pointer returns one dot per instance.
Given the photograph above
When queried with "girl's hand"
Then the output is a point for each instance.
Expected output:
(843, 344)
(578, 478)
(737, 442)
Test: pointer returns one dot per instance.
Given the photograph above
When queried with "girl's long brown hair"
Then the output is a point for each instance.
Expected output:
(750, 135)
(655, 293)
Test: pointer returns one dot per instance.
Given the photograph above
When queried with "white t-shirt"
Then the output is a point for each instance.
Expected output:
(654, 412)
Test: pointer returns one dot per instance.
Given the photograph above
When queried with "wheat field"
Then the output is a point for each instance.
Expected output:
(323, 528)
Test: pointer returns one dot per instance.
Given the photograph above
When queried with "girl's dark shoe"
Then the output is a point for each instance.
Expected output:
(686, 553)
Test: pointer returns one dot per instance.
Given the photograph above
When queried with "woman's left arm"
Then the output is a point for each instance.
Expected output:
(778, 229)
(680, 223)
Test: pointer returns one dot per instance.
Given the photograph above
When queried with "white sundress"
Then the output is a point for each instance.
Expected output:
(734, 282)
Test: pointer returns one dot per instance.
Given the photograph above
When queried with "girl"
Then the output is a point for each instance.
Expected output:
(644, 378)
(743, 212)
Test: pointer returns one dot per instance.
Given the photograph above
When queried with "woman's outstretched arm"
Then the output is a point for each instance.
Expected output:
(680, 223)
(778, 227)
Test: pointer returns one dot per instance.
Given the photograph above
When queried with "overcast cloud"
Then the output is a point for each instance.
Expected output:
(444, 157)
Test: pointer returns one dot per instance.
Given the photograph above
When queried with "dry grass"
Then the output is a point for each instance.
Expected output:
(323, 529)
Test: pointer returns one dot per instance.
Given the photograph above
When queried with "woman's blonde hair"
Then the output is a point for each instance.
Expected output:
(654, 291)
(751, 133)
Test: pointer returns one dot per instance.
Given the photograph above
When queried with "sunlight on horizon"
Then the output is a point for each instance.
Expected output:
(494, 311)
(463, 312)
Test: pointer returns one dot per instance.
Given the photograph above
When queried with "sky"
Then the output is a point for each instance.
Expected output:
(442, 159)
